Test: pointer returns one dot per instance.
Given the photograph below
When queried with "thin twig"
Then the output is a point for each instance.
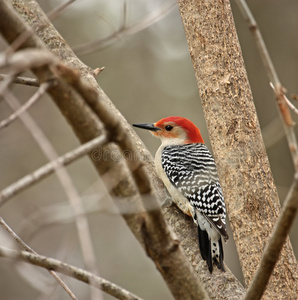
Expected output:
(25, 60)
(25, 35)
(41, 91)
(49, 168)
(275, 244)
(124, 18)
(71, 271)
(273, 77)
(60, 214)
(66, 182)
(147, 21)
(59, 9)
(20, 40)
(253, 27)
(290, 104)
(6, 82)
(22, 80)
(29, 249)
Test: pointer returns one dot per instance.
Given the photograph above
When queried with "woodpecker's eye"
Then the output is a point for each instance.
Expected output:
(169, 128)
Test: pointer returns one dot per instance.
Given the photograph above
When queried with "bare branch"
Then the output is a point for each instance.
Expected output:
(29, 249)
(49, 168)
(29, 31)
(59, 9)
(7, 81)
(19, 41)
(290, 104)
(69, 270)
(272, 250)
(22, 80)
(41, 91)
(25, 60)
(146, 22)
(253, 27)
(279, 91)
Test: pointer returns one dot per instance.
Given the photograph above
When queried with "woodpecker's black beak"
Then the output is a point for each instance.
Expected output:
(148, 126)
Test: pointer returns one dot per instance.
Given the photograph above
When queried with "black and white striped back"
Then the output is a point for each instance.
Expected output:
(192, 170)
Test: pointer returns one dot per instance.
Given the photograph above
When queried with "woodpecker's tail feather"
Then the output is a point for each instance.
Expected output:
(205, 247)
(211, 251)
(218, 259)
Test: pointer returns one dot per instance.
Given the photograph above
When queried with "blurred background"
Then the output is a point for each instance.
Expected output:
(148, 75)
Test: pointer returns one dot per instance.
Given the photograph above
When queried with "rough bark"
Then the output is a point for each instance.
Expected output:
(235, 135)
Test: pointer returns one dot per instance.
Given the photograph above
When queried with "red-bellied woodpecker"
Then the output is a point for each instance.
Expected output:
(188, 171)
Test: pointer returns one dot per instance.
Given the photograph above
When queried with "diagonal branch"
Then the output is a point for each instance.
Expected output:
(49, 168)
(27, 59)
(30, 250)
(41, 91)
(272, 250)
(59, 9)
(71, 271)
(124, 30)
(22, 80)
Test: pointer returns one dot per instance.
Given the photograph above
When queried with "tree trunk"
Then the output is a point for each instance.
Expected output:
(244, 171)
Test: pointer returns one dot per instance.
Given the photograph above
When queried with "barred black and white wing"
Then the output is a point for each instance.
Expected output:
(192, 171)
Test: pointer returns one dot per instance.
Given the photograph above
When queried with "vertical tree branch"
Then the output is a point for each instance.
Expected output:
(236, 139)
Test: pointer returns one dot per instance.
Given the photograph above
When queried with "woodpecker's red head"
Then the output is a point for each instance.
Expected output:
(174, 130)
